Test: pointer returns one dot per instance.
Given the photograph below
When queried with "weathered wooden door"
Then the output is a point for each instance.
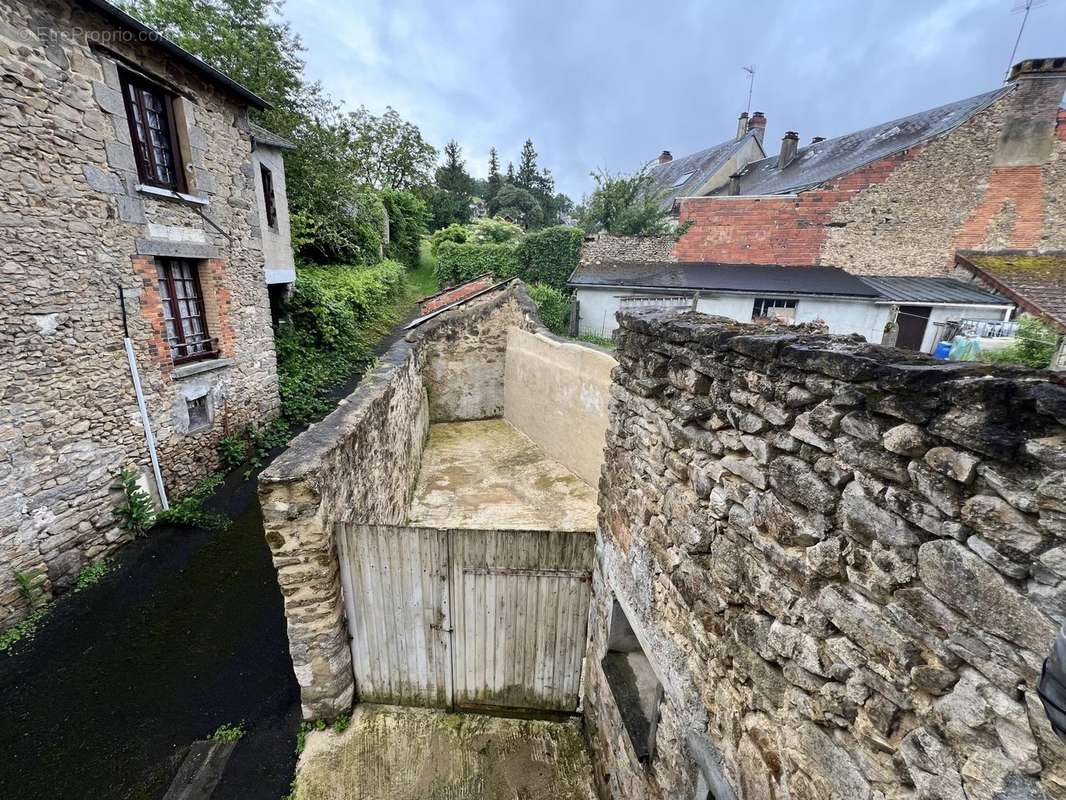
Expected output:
(396, 598)
(521, 605)
(467, 618)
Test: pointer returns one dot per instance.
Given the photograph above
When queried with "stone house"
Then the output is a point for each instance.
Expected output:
(136, 231)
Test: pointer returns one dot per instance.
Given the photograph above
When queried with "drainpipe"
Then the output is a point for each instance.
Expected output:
(146, 421)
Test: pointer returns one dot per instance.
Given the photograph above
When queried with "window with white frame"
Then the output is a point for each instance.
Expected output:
(775, 308)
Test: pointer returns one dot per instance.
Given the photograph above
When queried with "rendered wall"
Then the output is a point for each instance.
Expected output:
(556, 392)
(845, 564)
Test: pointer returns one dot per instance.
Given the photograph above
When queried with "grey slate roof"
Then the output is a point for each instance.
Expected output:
(906, 289)
(269, 138)
(739, 278)
(120, 17)
(699, 167)
(820, 162)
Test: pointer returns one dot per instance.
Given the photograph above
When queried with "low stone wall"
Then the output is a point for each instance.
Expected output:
(844, 564)
(556, 392)
(360, 464)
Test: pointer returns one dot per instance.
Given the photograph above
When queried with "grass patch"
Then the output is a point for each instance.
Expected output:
(228, 734)
(599, 341)
(422, 280)
(90, 575)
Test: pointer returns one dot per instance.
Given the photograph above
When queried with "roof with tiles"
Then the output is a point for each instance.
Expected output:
(1035, 281)
(822, 161)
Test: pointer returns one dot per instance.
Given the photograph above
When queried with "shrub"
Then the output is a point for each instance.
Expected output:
(494, 231)
(1035, 346)
(408, 218)
(189, 510)
(232, 448)
(90, 575)
(461, 262)
(553, 305)
(228, 734)
(550, 255)
(453, 233)
(136, 513)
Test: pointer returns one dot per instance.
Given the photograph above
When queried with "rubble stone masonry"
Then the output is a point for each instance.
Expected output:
(845, 565)
(974, 187)
(74, 228)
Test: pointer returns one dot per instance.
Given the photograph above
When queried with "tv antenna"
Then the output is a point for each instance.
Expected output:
(750, 69)
(1022, 7)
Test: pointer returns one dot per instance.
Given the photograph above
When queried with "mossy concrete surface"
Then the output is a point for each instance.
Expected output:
(395, 753)
(488, 475)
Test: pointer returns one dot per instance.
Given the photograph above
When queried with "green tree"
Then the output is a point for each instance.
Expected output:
(408, 221)
(387, 151)
(510, 172)
(495, 180)
(520, 205)
(450, 202)
(623, 205)
(528, 177)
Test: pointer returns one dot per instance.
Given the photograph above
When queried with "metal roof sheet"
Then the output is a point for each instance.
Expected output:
(708, 276)
(822, 161)
(906, 289)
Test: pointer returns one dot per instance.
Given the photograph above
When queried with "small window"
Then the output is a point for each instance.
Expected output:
(150, 113)
(683, 179)
(774, 308)
(268, 197)
(637, 691)
(183, 310)
(199, 413)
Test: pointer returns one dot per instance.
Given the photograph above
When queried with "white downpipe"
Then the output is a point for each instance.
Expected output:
(147, 423)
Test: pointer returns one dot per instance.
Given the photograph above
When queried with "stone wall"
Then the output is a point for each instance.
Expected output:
(360, 464)
(603, 248)
(844, 563)
(74, 228)
(556, 392)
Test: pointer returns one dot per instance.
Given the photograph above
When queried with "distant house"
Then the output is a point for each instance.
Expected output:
(144, 216)
(845, 303)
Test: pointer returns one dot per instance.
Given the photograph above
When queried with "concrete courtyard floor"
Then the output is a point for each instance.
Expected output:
(396, 753)
(488, 475)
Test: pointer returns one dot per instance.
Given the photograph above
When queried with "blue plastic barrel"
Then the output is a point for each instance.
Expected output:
(942, 350)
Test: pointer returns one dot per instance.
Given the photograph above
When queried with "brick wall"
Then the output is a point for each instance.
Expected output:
(73, 228)
(844, 565)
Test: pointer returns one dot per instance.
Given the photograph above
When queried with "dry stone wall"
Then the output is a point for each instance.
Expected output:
(360, 464)
(844, 564)
(74, 228)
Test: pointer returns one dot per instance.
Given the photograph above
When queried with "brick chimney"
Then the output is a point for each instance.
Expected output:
(742, 125)
(665, 157)
(757, 123)
(789, 146)
(1030, 112)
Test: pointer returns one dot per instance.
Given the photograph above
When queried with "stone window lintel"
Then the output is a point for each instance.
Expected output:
(200, 367)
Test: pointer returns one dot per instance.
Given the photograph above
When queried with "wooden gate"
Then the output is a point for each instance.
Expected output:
(467, 618)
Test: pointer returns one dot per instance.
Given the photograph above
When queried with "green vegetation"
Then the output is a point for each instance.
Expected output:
(189, 510)
(341, 723)
(553, 305)
(136, 512)
(232, 449)
(1034, 348)
(546, 256)
(228, 734)
(38, 602)
(90, 575)
(599, 341)
(624, 205)
(306, 728)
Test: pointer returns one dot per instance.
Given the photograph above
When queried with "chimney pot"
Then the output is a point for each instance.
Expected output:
(757, 123)
(734, 184)
(665, 157)
(817, 139)
(742, 125)
(789, 146)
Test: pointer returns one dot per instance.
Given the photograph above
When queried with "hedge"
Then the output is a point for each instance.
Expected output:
(553, 305)
(546, 256)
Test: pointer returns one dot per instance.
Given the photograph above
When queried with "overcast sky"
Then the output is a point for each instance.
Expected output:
(611, 83)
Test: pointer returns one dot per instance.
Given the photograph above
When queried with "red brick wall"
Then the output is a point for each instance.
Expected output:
(1020, 187)
(773, 230)
(431, 304)
(1060, 125)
